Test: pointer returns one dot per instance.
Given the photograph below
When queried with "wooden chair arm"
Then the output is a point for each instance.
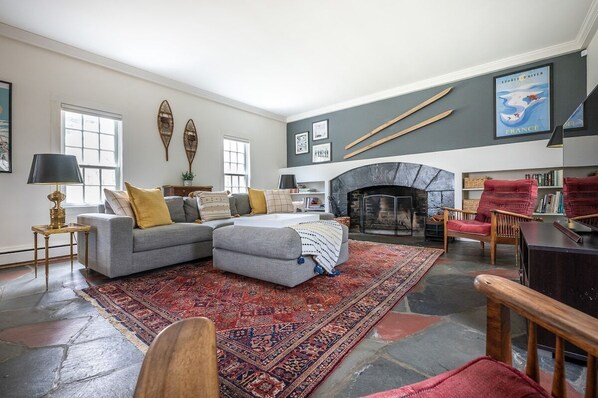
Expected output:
(508, 213)
(567, 323)
(573, 325)
(459, 210)
(591, 219)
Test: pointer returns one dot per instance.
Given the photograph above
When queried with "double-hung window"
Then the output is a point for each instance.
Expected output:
(93, 137)
(236, 165)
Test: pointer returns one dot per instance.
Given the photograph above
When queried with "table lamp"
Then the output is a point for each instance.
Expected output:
(287, 181)
(55, 169)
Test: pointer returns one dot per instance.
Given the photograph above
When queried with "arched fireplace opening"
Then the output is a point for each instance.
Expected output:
(377, 196)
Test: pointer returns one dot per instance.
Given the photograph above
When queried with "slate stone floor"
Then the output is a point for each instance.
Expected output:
(56, 344)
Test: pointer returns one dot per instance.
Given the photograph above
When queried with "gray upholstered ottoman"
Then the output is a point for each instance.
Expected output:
(269, 254)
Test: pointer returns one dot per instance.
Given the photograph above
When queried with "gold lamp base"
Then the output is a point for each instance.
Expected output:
(57, 213)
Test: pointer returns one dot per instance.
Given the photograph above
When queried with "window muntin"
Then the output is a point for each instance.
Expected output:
(236, 165)
(92, 136)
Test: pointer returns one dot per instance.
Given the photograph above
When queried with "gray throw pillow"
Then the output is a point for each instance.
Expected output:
(190, 208)
(232, 202)
(175, 208)
(242, 203)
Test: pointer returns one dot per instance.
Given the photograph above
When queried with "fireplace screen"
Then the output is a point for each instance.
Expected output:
(387, 215)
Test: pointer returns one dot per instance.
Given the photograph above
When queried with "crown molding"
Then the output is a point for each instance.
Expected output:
(33, 39)
(490, 67)
(589, 26)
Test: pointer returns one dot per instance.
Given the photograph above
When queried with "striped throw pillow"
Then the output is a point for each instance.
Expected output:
(279, 201)
(213, 205)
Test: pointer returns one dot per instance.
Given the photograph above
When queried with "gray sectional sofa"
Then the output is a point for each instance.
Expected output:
(118, 249)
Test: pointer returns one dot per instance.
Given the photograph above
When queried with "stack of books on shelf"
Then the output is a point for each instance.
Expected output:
(551, 203)
(551, 178)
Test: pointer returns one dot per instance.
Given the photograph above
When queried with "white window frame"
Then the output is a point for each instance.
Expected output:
(84, 165)
(246, 175)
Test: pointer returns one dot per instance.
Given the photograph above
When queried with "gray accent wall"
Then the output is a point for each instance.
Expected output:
(470, 125)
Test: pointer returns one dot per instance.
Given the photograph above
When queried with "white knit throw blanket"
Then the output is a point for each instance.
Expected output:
(321, 239)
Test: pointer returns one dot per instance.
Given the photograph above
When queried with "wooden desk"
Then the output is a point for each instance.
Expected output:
(46, 231)
(554, 265)
(180, 190)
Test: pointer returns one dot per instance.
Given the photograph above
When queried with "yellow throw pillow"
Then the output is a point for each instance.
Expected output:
(149, 206)
(257, 201)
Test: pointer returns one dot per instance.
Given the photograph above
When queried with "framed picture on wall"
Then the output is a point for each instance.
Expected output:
(302, 143)
(321, 153)
(320, 130)
(523, 102)
(5, 127)
(577, 120)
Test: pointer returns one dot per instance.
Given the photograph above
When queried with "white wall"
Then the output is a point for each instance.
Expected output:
(43, 79)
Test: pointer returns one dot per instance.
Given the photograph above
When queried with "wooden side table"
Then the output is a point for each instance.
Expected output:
(46, 231)
(180, 190)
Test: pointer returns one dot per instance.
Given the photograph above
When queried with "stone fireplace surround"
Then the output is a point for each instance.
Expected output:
(437, 183)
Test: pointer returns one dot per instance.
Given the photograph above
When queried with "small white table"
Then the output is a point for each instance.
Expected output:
(276, 220)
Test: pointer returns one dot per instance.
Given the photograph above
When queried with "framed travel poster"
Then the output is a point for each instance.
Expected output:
(576, 120)
(523, 103)
(5, 128)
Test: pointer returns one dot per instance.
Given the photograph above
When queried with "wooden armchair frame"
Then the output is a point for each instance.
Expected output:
(591, 219)
(504, 228)
(568, 324)
(181, 362)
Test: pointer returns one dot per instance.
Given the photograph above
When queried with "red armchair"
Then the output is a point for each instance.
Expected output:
(493, 375)
(580, 197)
(503, 205)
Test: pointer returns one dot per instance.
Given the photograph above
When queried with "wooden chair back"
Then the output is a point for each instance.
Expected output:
(568, 324)
(181, 362)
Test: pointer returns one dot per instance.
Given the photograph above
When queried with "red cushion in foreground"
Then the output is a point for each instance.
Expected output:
(481, 378)
(469, 226)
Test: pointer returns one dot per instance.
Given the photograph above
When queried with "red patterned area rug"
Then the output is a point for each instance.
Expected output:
(273, 341)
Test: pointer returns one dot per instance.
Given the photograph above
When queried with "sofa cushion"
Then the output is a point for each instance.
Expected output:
(190, 209)
(242, 203)
(516, 196)
(218, 223)
(257, 200)
(482, 377)
(213, 205)
(119, 203)
(175, 208)
(469, 226)
(279, 201)
(170, 235)
(149, 206)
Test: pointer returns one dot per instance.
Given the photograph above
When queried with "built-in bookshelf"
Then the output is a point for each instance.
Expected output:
(550, 186)
(312, 195)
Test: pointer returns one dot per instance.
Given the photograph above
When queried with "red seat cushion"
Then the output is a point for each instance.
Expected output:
(469, 226)
(516, 196)
(482, 377)
(580, 196)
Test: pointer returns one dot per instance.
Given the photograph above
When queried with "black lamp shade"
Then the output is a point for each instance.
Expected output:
(556, 139)
(287, 181)
(52, 168)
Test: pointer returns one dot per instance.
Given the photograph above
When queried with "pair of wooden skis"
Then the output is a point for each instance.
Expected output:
(395, 120)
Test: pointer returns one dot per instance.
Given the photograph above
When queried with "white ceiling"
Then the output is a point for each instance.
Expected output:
(301, 57)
